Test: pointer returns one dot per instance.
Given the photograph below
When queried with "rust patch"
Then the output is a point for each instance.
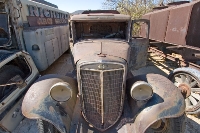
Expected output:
(178, 25)
(185, 90)
(51, 109)
(158, 24)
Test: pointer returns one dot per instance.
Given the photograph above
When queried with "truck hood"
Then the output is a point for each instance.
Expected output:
(100, 49)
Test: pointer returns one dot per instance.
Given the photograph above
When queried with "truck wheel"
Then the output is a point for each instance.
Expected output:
(46, 127)
(7, 72)
(172, 125)
(187, 80)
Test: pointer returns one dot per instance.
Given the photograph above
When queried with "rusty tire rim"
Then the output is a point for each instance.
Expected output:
(190, 88)
(160, 126)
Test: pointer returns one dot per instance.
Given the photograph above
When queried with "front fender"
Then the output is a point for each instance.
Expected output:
(38, 104)
(167, 102)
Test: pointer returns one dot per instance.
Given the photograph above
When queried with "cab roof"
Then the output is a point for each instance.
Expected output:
(100, 17)
(100, 11)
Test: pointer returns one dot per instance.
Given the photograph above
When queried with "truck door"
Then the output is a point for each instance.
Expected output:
(139, 45)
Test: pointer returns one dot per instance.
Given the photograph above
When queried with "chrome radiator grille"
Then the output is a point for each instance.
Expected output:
(102, 95)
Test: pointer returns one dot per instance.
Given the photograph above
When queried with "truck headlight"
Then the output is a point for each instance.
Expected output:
(61, 91)
(141, 91)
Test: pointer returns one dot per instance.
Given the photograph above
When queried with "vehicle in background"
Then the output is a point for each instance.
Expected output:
(33, 34)
(102, 95)
(175, 32)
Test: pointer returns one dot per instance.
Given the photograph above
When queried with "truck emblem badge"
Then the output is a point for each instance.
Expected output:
(102, 66)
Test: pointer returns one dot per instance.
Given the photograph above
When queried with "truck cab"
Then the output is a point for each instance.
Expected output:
(103, 95)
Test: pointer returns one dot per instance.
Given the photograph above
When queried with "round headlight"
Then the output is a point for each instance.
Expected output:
(61, 92)
(141, 91)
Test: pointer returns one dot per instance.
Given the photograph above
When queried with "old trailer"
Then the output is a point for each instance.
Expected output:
(175, 29)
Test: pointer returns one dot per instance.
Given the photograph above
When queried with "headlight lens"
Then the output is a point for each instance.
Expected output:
(141, 91)
(61, 91)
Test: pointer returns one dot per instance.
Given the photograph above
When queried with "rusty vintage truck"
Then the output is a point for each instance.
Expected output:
(101, 95)
(33, 34)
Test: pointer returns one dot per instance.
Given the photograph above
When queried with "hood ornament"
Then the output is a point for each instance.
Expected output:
(101, 53)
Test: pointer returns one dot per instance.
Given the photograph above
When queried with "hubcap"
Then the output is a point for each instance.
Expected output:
(185, 90)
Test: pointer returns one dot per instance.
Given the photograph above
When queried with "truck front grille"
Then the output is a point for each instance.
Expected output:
(102, 96)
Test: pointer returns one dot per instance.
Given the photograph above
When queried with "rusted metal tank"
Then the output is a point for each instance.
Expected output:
(178, 24)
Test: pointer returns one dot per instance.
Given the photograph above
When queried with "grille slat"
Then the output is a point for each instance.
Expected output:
(113, 93)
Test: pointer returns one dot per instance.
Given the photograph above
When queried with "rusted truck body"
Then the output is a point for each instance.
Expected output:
(175, 29)
(33, 34)
(177, 25)
(102, 95)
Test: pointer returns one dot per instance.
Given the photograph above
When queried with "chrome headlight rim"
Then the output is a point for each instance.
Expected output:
(140, 87)
(61, 92)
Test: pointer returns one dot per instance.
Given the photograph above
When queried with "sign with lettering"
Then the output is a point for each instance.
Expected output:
(44, 17)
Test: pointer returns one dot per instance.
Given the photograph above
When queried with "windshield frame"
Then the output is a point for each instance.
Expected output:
(126, 30)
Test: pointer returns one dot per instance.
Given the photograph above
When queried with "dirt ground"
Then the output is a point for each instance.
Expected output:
(154, 65)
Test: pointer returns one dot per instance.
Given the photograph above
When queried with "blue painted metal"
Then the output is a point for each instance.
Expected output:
(5, 54)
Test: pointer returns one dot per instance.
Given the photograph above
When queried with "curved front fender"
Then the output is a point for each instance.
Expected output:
(38, 104)
(167, 102)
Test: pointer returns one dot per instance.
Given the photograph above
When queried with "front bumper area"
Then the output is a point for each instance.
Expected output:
(167, 102)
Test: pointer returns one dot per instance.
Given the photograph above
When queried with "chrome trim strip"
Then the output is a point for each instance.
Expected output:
(103, 70)
(102, 104)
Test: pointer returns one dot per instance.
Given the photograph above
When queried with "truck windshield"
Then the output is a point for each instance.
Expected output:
(91, 30)
(4, 29)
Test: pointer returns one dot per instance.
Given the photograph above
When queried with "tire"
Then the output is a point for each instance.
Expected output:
(7, 72)
(173, 125)
(191, 78)
(46, 127)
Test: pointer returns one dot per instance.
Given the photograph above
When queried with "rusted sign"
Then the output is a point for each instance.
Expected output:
(44, 17)
(39, 21)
